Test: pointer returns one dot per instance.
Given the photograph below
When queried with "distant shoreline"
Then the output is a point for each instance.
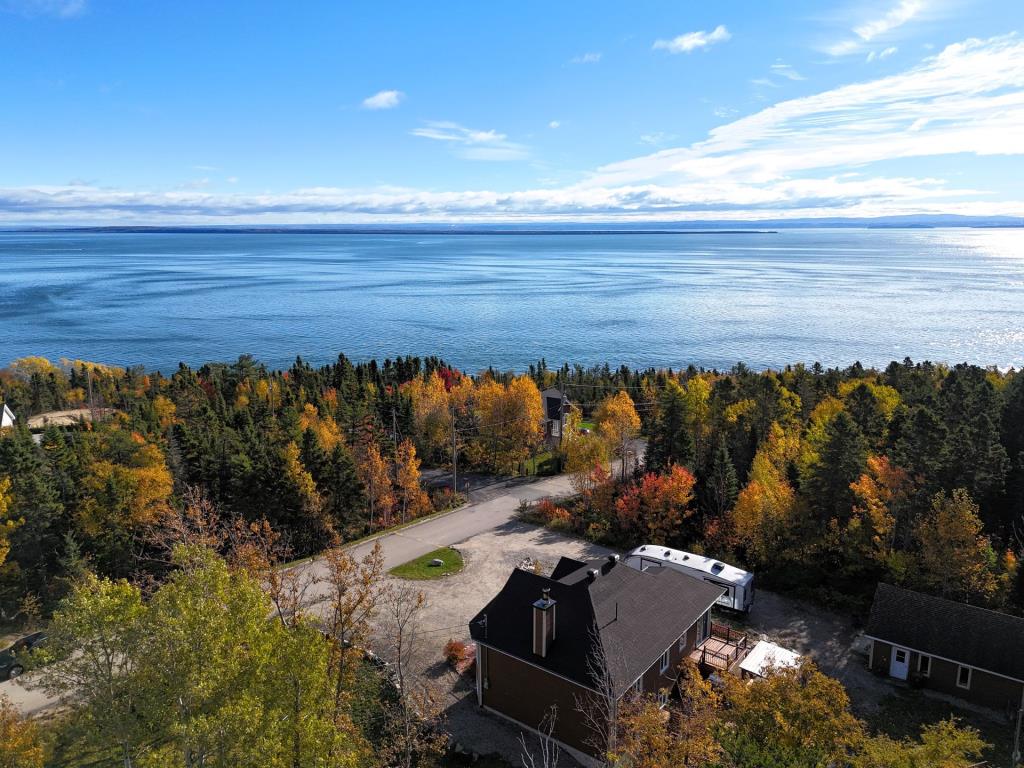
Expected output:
(375, 231)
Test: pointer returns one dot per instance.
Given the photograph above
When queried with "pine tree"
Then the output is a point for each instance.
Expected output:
(671, 441)
(722, 485)
(840, 463)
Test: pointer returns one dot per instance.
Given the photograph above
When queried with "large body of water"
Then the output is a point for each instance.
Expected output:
(833, 296)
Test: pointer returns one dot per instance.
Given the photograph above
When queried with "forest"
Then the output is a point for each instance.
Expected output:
(823, 481)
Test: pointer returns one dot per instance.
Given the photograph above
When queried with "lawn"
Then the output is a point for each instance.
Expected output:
(421, 569)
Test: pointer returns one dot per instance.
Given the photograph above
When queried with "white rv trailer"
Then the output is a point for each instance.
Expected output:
(738, 585)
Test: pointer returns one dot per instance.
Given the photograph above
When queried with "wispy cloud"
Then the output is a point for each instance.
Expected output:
(824, 154)
(383, 100)
(785, 70)
(554, 124)
(470, 143)
(657, 139)
(62, 9)
(591, 57)
(883, 54)
(878, 26)
(692, 41)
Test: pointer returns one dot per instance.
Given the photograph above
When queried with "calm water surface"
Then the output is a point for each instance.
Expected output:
(834, 296)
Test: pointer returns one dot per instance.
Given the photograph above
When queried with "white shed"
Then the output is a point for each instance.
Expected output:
(764, 657)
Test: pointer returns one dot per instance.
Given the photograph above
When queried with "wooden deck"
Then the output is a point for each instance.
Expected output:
(722, 650)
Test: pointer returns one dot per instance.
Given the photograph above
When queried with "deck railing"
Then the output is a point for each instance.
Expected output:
(731, 648)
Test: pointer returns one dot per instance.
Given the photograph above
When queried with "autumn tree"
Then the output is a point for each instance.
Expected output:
(375, 475)
(879, 521)
(619, 423)
(20, 743)
(768, 514)
(797, 717)
(583, 453)
(941, 745)
(653, 510)
(956, 558)
(411, 497)
(7, 523)
(431, 414)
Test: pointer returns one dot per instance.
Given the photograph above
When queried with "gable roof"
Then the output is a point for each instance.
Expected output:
(959, 632)
(6, 416)
(554, 401)
(632, 616)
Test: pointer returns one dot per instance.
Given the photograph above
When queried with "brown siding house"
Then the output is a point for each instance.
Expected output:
(590, 632)
(957, 649)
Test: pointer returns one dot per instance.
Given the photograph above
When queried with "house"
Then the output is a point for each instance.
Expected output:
(581, 639)
(957, 649)
(6, 417)
(556, 406)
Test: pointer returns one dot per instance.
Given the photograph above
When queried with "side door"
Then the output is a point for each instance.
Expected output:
(899, 663)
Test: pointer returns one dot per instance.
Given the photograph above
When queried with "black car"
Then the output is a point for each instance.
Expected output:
(10, 664)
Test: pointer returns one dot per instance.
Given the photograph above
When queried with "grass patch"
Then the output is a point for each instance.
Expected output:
(421, 569)
(544, 463)
(588, 425)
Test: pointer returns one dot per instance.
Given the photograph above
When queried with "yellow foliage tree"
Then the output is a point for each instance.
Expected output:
(375, 474)
(956, 558)
(20, 744)
(431, 414)
(766, 510)
(619, 423)
(7, 525)
(411, 496)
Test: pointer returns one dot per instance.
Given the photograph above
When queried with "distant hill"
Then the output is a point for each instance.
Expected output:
(737, 226)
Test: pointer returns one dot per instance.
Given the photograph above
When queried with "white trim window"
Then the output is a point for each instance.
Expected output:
(664, 663)
(638, 686)
(963, 677)
(663, 697)
(924, 665)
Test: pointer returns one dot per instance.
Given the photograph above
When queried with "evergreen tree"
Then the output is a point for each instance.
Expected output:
(839, 464)
(671, 441)
(722, 485)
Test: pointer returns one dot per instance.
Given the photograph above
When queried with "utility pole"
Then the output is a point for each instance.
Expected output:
(455, 456)
(1016, 735)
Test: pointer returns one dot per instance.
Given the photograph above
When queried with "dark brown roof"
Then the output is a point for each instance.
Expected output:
(635, 616)
(964, 633)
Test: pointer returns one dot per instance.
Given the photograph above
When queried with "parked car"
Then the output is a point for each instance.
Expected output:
(12, 659)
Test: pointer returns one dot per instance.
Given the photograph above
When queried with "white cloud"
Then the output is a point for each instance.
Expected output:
(591, 57)
(786, 71)
(897, 16)
(62, 9)
(472, 144)
(819, 155)
(878, 26)
(658, 138)
(883, 54)
(691, 41)
(383, 100)
(554, 124)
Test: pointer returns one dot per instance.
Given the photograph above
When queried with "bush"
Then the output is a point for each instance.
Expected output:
(460, 655)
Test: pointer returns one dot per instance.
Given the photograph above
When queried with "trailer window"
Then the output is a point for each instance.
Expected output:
(963, 677)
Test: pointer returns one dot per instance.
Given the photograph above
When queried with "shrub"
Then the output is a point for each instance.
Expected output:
(460, 655)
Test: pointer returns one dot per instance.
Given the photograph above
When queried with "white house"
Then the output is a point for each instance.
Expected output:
(6, 417)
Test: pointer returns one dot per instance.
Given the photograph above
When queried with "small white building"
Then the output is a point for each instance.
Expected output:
(737, 584)
(6, 417)
(765, 657)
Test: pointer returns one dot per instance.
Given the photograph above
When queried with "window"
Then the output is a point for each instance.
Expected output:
(963, 677)
(638, 686)
(924, 665)
(901, 656)
(664, 661)
(663, 697)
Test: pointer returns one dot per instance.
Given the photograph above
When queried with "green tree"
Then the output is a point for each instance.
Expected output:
(839, 463)
(671, 440)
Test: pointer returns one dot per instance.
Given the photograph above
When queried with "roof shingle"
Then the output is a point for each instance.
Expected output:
(959, 632)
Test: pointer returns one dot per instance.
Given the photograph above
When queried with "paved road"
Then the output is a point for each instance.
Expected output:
(495, 507)
(28, 702)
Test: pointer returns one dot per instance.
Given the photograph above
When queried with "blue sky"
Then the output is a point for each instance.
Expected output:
(329, 112)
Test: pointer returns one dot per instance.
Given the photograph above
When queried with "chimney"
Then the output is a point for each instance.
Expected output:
(543, 623)
(612, 560)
